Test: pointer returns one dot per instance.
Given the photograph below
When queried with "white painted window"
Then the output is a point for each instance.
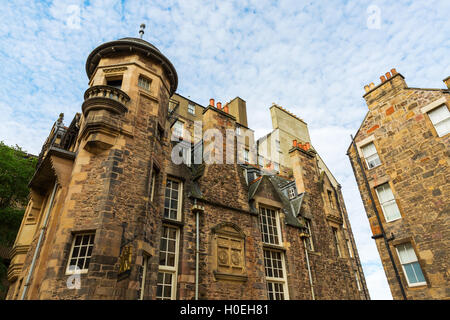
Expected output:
(145, 260)
(238, 130)
(291, 192)
(336, 241)
(440, 117)
(387, 201)
(357, 281)
(275, 275)
(80, 253)
(410, 265)
(270, 226)
(173, 199)
(309, 240)
(349, 249)
(276, 166)
(144, 83)
(191, 108)
(168, 264)
(370, 154)
(178, 129)
(245, 155)
(261, 161)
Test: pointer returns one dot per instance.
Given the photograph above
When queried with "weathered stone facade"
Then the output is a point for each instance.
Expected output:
(108, 199)
(414, 162)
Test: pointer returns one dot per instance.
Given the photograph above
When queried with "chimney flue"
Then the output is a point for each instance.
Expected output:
(366, 88)
(388, 75)
(211, 102)
(294, 143)
(226, 108)
(371, 85)
(393, 71)
(383, 79)
(219, 105)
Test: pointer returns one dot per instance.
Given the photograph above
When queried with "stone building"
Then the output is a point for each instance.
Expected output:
(400, 157)
(121, 207)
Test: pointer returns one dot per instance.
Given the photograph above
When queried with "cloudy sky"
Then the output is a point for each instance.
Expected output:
(311, 57)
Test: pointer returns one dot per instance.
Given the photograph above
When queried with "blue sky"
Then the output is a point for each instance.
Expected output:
(311, 57)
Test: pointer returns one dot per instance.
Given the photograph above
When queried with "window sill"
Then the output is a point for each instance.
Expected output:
(230, 277)
(393, 220)
(173, 222)
(273, 246)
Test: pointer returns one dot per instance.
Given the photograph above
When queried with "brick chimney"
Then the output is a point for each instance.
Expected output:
(447, 82)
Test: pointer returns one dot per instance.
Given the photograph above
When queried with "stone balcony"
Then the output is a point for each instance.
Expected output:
(105, 98)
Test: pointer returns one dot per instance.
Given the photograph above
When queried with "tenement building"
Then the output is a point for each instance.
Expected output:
(149, 195)
(400, 157)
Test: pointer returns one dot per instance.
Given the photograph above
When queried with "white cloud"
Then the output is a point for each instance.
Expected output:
(314, 58)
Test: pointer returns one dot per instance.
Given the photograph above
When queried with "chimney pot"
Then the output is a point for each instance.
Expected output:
(366, 88)
(307, 146)
(211, 102)
(219, 105)
(393, 71)
(371, 85)
(226, 109)
(294, 143)
(388, 75)
(383, 79)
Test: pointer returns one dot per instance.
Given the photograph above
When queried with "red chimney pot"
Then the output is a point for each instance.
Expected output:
(219, 105)
(211, 102)
(383, 79)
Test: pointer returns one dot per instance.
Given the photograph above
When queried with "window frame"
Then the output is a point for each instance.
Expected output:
(180, 199)
(144, 79)
(444, 106)
(418, 284)
(310, 238)
(169, 269)
(191, 110)
(277, 227)
(336, 240)
(393, 200)
(75, 235)
(176, 130)
(366, 157)
(283, 280)
(145, 260)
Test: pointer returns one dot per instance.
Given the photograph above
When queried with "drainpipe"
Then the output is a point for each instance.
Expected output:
(197, 248)
(309, 270)
(358, 159)
(38, 246)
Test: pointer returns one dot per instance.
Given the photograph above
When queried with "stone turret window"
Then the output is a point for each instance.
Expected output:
(410, 265)
(116, 83)
(80, 253)
(387, 201)
(370, 154)
(144, 83)
(440, 117)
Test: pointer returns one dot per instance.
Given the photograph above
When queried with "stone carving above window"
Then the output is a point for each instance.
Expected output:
(229, 252)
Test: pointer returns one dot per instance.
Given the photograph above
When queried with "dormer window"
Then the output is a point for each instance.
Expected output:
(291, 193)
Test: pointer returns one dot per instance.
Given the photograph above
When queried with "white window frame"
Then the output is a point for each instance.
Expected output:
(442, 121)
(191, 110)
(403, 263)
(369, 157)
(291, 193)
(308, 226)
(277, 227)
(357, 281)
(282, 281)
(349, 248)
(143, 81)
(169, 269)
(180, 198)
(336, 239)
(153, 184)
(382, 204)
(178, 132)
(238, 130)
(145, 259)
(70, 271)
(246, 156)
